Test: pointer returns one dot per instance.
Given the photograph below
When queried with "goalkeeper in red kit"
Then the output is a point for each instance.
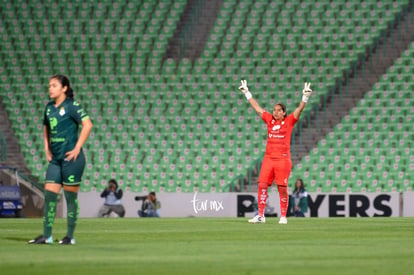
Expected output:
(277, 163)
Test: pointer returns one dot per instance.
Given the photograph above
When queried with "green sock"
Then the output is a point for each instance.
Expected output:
(73, 211)
(49, 212)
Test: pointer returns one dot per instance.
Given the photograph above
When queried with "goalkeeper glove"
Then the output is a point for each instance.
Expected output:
(306, 92)
(243, 88)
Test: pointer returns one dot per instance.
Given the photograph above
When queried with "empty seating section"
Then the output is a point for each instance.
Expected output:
(105, 48)
(372, 148)
(279, 45)
(177, 125)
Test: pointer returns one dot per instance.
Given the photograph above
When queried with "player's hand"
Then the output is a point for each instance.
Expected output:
(48, 155)
(306, 92)
(72, 154)
(243, 87)
(245, 90)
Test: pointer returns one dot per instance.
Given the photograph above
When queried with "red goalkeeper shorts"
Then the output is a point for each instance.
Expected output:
(277, 170)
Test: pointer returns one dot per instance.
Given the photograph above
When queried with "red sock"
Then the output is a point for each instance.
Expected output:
(262, 198)
(284, 199)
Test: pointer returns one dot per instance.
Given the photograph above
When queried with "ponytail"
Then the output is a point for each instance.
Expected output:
(69, 92)
(65, 82)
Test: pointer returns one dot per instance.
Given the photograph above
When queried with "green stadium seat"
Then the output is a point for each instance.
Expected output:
(374, 167)
(120, 76)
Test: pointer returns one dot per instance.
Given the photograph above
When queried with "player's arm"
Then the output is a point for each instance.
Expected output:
(118, 194)
(46, 139)
(84, 134)
(245, 90)
(306, 94)
(104, 193)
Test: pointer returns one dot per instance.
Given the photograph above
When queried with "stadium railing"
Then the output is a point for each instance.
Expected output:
(3, 148)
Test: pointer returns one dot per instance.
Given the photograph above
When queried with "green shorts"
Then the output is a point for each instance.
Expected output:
(66, 172)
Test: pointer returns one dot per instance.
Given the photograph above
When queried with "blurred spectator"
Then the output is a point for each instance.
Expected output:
(298, 201)
(113, 202)
(150, 206)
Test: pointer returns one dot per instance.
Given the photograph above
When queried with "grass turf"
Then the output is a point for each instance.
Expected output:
(213, 246)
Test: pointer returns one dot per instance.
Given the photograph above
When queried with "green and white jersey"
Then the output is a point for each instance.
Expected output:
(63, 124)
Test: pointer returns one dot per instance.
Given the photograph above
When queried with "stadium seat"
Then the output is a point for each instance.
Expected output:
(113, 54)
(374, 147)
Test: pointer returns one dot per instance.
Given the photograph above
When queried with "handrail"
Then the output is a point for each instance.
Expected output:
(32, 182)
(3, 149)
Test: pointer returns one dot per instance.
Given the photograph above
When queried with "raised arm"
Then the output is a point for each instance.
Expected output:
(118, 193)
(245, 90)
(306, 94)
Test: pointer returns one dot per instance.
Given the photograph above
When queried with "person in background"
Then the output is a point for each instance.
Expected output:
(299, 199)
(113, 202)
(150, 207)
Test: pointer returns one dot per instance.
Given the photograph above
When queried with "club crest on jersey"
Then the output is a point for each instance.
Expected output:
(62, 111)
(53, 122)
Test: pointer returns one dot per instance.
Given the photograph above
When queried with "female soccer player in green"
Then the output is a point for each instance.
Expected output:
(63, 148)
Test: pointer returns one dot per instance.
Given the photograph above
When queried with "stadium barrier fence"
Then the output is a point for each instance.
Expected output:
(242, 204)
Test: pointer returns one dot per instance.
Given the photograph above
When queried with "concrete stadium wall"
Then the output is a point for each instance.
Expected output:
(240, 204)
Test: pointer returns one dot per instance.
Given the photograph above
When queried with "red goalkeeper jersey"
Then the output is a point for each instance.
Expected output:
(278, 135)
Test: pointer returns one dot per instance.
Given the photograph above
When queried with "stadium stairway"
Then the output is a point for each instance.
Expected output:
(137, 71)
(367, 73)
(32, 197)
(194, 26)
(14, 156)
(347, 93)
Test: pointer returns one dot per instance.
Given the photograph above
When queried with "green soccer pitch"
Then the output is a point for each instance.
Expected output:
(213, 246)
